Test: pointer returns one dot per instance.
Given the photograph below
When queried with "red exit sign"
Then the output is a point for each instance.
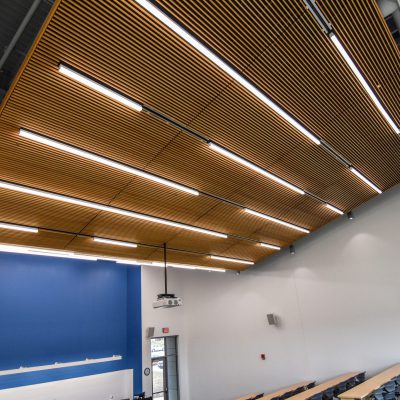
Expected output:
(165, 330)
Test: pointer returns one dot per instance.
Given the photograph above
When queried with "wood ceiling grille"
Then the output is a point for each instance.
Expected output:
(277, 45)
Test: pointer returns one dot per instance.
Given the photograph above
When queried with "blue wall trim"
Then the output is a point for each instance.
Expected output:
(62, 310)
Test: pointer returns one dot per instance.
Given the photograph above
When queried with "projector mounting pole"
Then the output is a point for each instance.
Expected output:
(165, 268)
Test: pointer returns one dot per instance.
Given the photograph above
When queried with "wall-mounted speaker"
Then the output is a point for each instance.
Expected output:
(150, 332)
(272, 319)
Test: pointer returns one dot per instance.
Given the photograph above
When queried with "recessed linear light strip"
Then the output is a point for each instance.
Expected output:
(234, 260)
(102, 160)
(254, 167)
(363, 178)
(102, 207)
(99, 87)
(114, 210)
(62, 146)
(262, 171)
(115, 243)
(267, 217)
(161, 16)
(14, 227)
(327, 28)
(174, 265)
(221, 150)
(363, 82)
(39, 138)
(37, 251)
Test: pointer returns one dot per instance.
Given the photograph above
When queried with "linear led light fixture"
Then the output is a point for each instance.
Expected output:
(21, 228)
(102, 207)
(98, 87)
(278, 221)
(334, 209)
(105, 161)
(57, 365)
(327, 28)
(234, 260)
(252, 166)
(363, 82)
(364, 179)
(114, 242)
(150, 7)
(102, 160)
(270, 246)
(172, 265)
(36, 251)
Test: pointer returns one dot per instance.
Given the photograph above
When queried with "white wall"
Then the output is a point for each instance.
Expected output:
(108, 386)
(173, 318)
(338, 300)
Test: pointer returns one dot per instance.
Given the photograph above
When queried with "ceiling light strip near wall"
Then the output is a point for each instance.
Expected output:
(366, 180)
(14, 227)
(334, 209)
(102, 160)
(339, 46)
(233, 260)
(122, 243)
(175, 265)
(102, 207)
(166, 20)
(39, 138)
(270, 246)
(312, 6)
(278, 221)
(37, 251)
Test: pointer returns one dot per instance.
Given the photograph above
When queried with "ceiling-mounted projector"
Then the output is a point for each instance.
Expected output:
(166, 300)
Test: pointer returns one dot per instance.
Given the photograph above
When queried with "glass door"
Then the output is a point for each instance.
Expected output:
(158, 367)
(164, 367)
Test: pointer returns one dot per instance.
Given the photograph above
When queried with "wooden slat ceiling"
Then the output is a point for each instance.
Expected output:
(277, 45)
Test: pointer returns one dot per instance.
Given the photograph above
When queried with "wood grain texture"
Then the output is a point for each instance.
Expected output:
(277, 45)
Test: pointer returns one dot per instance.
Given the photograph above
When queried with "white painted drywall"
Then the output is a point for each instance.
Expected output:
(108, 386)
(338, 300)
(173, 318)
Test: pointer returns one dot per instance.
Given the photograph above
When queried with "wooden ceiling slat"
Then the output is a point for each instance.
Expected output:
(277, 45)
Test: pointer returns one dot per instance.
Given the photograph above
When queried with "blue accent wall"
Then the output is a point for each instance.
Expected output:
(62, 310)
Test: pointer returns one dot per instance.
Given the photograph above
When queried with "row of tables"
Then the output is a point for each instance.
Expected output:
(358, 392)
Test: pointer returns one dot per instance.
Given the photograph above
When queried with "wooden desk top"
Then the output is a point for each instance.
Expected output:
(366, 388)
(324, 386)
(281, 392)
(248, 396)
